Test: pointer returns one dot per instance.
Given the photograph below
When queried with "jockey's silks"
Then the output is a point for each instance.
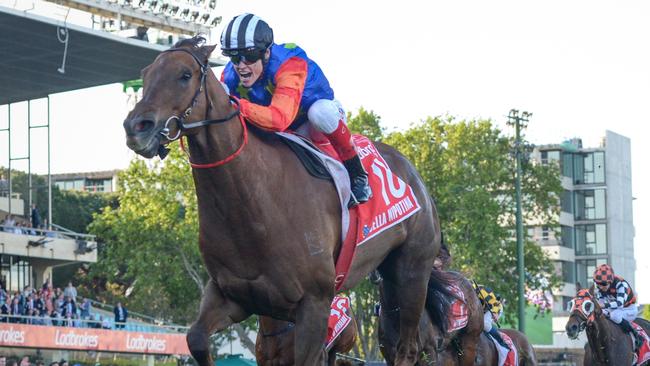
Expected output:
(288, 86)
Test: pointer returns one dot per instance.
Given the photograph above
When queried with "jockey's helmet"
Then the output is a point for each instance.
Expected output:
(489, 299)
(604, 275)
(246, 35)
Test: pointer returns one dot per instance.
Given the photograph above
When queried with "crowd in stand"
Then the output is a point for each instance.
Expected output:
(35, 226)
(26, 361)
(47, 306)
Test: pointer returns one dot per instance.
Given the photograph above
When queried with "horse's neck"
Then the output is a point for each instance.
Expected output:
(598, 334)
(220, 141)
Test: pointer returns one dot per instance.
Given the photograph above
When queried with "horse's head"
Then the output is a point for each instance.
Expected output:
(584, 309)
(173, 85)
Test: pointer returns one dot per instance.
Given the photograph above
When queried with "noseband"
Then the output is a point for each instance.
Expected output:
(181, 125)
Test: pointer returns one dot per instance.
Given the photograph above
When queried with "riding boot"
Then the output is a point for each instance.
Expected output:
(627, 327)
(358, 179)
(341, 140)
(494, 332)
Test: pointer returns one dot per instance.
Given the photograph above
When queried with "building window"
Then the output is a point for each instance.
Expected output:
(567, 237)
(568, 272)
(545, 233)
(590, 204)
(550, 156)
(566, 201)
(584, 271)
(591, 239)
(567, 165)
(589, 168)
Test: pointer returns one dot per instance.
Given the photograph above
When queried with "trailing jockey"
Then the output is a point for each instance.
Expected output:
(616, 297)
(492, 311)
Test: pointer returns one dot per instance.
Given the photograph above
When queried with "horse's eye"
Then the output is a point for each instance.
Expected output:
(186, 76)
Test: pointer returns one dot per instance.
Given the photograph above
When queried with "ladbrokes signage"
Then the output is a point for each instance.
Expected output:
(36, 336)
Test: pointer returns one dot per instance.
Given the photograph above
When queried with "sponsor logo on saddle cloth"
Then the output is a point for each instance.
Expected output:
(644, 351)
(511, 358)
(392, 199)
(459, 316)
(339, 319)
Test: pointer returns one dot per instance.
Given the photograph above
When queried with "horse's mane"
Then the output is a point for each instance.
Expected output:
(195, 43)
(440, 296)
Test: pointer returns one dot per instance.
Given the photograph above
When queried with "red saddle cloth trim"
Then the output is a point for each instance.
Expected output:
(339, 319)
(512, 359)
(643, 354)
(459, 316)
(392, 202)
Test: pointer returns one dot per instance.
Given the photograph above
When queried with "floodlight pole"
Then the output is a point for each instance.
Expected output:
(519, 123)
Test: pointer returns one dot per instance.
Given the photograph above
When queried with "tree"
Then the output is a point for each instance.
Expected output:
(468, 168)
(148, 255)
(366, 123)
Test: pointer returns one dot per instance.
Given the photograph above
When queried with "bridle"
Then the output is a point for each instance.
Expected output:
(181, 125)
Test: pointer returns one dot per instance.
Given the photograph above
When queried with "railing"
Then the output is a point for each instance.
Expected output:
(22, 230)
(88, 323)
(133, 314)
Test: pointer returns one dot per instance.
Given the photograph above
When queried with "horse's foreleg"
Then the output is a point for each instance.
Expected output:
(215, 314)
(410, 284)
(311, 331)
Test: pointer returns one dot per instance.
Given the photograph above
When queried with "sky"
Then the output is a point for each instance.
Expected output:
(581, 67)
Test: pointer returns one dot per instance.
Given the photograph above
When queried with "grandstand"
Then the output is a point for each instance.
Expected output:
(47, 54)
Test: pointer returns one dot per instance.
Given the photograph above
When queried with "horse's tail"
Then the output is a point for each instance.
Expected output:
(439, 297)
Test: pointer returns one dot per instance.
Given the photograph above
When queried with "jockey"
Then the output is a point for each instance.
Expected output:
(281, 88)
(492, 311)
(616, 297)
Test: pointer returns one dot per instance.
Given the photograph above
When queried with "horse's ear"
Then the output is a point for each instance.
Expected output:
(206, 51)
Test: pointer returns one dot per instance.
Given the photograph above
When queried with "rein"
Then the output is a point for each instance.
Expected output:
(181, 125)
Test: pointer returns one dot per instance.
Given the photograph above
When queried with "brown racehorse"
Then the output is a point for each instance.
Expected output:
(276, 338)
(432, 340)
(487, 354)
(608, 343)
(269, 232)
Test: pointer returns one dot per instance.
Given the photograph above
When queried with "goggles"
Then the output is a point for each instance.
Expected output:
(249, 56)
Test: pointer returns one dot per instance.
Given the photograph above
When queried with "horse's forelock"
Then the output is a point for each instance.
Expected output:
(196, 45)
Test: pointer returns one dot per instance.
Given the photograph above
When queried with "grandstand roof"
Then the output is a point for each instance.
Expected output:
(32, 54)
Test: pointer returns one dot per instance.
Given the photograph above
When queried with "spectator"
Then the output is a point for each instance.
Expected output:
(36, 217)
(63, 363)
(12, 362)
(3, 361)
(40, 363)
(54, 363)
(3, 293)
(5, 310)
(16, 309)
(25, 361)
(69, 308)
(85, 308)
(121, 314)
(70, 291)
(9, 221)
(106, 324)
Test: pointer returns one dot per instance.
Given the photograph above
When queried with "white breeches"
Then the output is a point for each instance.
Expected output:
(487, 321)
(628, 313)
(325, 115)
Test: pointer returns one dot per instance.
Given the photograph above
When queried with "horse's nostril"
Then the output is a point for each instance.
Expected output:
(142, 126)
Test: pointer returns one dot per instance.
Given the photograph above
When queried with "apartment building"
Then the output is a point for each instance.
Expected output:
(595, 223)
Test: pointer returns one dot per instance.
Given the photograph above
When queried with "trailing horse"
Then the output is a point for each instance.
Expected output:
(435, 335)
(608, 344)
(269, 232)
(466, 346)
